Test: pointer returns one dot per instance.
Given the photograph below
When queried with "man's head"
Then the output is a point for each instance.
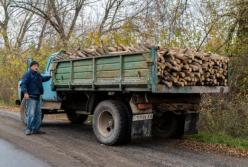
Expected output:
(34, 66)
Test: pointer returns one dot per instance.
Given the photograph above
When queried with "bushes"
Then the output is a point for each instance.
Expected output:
(221, 116)
(12, 67)
(228, 113)
(10, 73)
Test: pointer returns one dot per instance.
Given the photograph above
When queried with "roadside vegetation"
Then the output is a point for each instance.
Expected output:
(226, 140)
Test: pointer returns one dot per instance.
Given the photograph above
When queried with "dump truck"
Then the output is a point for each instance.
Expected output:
(122, 95)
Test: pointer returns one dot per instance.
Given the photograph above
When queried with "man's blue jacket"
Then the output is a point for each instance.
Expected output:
(32, 83)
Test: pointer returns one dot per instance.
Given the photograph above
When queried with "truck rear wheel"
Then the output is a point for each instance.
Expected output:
(168, 125)
(75, 118)
(112, 123)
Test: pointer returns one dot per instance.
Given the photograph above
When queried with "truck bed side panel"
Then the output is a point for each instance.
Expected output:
(104, 73)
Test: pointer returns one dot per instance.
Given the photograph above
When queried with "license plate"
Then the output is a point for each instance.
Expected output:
(142, 117)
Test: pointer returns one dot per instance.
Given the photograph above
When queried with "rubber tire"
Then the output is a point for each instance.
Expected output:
(23, 114)
(76, 119)
(122, 130)
(129, 124)
(167, 126)
(180, 127)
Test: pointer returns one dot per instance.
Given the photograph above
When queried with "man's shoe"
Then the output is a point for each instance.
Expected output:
(28, 132)
(39, 132)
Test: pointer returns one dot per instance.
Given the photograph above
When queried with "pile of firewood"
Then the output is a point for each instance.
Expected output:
(187, 67)
(100, 51)
(176, 67)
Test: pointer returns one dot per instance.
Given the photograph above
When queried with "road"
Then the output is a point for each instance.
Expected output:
(11, 157)
(66, 145)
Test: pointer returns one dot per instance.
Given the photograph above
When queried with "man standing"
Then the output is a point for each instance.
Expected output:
(31, 87)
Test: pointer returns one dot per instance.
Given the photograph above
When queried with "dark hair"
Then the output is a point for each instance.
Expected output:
(34, 63)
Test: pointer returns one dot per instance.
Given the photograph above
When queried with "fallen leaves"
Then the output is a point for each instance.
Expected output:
(218, 148)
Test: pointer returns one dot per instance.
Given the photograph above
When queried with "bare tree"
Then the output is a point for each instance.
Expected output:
(55, 12)
(242, 20)
(25, 25)
(110, 13)
(24, 22)
(41, 36)
(117, 13)
(163, 19)
(4, 24)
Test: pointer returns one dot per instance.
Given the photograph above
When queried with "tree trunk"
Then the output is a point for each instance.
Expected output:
(5, 38)
(242, 33)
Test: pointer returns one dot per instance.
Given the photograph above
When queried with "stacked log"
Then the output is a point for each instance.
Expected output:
(175, 67)
(100, 51)
(187, 67)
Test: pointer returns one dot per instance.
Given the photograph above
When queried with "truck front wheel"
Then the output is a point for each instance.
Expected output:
(111, 122)
(23, 111)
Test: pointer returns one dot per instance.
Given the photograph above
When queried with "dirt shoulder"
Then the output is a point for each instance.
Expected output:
(9, 108)
(216, 148)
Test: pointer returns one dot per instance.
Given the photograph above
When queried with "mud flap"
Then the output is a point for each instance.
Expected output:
(191, 123)
(142, 125)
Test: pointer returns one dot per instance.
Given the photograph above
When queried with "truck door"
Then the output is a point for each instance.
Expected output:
(49, 94)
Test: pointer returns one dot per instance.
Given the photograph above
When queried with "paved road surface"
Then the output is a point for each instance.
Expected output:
(75, 146)
(12, 157)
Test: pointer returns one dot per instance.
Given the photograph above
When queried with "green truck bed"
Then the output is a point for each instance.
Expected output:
(122, 72)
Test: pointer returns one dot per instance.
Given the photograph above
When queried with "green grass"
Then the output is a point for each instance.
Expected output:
(227, 140)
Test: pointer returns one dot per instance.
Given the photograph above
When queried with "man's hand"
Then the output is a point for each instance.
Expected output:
(26, 96)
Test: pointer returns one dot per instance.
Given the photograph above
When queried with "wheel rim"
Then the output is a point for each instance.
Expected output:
(106, 124)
